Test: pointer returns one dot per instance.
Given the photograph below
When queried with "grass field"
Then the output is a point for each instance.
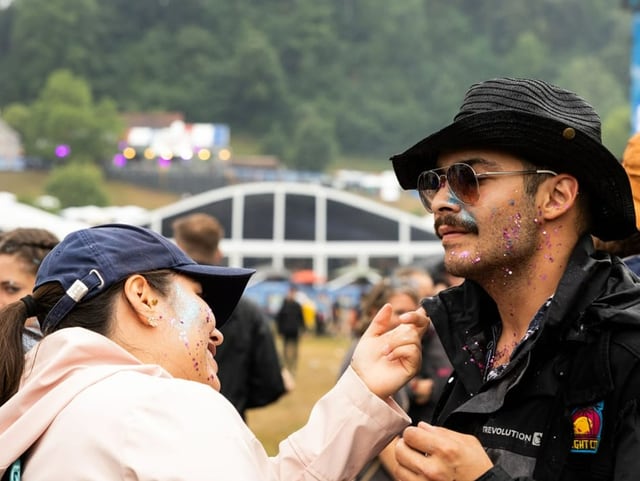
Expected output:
(318, 364)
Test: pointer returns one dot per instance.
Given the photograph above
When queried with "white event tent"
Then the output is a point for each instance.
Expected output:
(14, 214)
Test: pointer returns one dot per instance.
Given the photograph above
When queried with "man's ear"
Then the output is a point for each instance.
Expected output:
(559, 195)
(142, 299)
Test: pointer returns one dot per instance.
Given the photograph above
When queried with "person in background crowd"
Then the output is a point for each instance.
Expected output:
(124, 383)
(427, 387)
(544, 332)
(629, 247)
(248, 366)
(21, 252)
(443, 279)
(290, 324)
(403, 297)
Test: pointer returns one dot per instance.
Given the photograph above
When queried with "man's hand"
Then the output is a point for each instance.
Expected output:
(433, 453)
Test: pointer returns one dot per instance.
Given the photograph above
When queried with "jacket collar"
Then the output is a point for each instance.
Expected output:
(595, 289)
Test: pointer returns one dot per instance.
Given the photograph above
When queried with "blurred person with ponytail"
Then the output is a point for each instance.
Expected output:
(21, 253)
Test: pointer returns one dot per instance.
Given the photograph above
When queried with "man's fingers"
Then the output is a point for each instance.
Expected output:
(419, 438)
(408, 460)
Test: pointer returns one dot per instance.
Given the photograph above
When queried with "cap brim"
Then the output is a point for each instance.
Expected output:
(222, 287)
(540, 141)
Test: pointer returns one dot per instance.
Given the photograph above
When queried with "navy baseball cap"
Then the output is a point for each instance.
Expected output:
(88, 261)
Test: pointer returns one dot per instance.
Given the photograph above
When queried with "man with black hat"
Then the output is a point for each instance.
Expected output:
(544, 334)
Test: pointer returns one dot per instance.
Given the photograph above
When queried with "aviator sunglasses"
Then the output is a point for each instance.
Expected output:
(462, 181)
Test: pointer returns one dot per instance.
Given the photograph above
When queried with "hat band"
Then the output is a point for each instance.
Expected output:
(73, 295)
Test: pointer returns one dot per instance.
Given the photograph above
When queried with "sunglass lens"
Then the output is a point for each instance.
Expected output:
(428, 185)
(463, 183)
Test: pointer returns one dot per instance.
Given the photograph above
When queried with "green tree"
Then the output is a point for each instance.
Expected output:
(591, 80)
(383, 73)
(258, 95)
(314, 145)
(77, 185)
(528, 57)
(616, 129)
(47, 35)
(65, 114)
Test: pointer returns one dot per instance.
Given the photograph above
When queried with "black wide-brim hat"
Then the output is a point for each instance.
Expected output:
(545, 125)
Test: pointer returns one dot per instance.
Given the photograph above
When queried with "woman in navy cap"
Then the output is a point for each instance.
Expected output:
(121, 385)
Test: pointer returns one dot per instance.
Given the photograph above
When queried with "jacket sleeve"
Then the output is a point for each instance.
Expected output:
(347, 428)
(627, 465)
(194, 433)
(498, 474)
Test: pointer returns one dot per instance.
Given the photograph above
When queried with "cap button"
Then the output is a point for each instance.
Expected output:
(569, 133)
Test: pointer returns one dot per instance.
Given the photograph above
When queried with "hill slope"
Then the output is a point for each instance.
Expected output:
(29, 185)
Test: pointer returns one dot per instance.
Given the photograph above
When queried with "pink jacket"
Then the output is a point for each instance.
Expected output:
(90, 410)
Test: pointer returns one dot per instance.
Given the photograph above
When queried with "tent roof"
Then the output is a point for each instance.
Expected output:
(16, 214)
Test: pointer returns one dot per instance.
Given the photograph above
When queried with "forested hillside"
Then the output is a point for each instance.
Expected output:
(359, 77)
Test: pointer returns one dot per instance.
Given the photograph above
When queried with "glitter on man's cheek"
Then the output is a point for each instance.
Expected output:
(467, 218)
(453, 199)
(511, 234)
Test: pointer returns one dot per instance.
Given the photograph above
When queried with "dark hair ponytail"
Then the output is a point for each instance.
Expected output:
(94, 314)
(12, 319)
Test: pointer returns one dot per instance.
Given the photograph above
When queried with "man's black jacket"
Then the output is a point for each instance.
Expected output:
(567, 407)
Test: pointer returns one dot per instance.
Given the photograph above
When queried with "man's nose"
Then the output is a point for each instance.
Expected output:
(444, 198)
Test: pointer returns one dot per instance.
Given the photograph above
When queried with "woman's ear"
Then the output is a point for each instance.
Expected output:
(559, 195)
(142, 299)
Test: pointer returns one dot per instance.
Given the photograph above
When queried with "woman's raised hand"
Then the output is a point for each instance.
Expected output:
(389, 353)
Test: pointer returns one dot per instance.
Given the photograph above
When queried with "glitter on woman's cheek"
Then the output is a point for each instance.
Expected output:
(208, 315)
(182, 335)
(194, 323)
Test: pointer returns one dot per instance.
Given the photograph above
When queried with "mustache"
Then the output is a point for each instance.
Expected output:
(453, 221)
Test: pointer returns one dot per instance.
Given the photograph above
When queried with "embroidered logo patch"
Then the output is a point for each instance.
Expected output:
(587, 428)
